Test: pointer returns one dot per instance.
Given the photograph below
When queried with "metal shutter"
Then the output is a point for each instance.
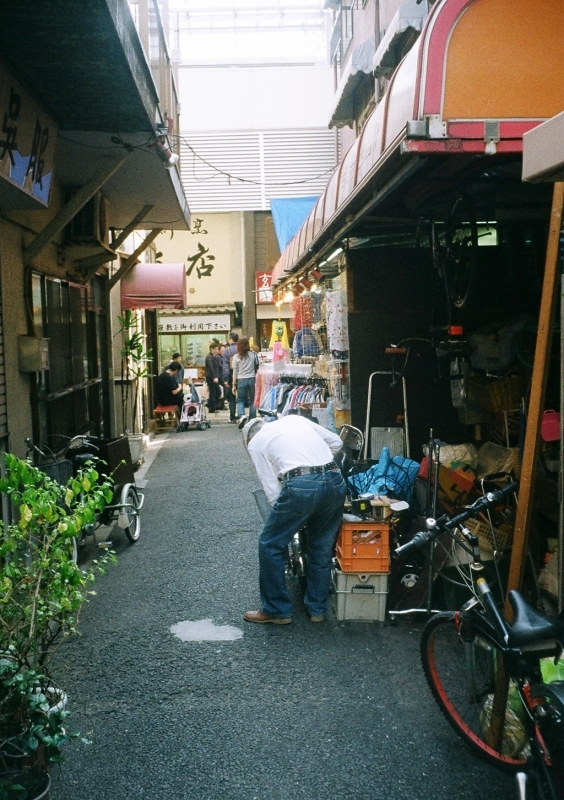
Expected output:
(287, 163)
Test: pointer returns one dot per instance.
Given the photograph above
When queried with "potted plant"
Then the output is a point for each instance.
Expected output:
(42, 591)
(135, 362)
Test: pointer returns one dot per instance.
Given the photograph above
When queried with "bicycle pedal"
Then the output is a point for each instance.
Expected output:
(104, 545)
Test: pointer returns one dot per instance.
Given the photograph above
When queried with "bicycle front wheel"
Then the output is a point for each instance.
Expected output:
(130, 501)
(463, 677)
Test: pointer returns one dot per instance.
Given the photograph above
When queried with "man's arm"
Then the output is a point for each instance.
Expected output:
(268, 479)
(335, 442)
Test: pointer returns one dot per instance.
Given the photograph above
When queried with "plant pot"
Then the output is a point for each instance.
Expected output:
(34, 784)
(137, 446)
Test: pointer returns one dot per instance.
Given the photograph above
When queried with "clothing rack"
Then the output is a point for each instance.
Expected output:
(297, 380)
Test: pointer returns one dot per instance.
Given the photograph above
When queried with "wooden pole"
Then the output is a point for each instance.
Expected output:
(550, 287)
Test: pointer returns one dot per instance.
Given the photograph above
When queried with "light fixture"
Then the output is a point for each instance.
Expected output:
(288, 297)
(333, 255)
(165, 153)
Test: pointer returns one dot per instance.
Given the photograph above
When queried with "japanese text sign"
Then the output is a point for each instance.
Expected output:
(201, 323)
(28, 137)
(263, 287)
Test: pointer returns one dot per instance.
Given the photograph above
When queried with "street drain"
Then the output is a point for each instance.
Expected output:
(205, 630)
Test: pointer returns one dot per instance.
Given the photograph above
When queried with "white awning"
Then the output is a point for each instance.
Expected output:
(410, 16)
(359, 64)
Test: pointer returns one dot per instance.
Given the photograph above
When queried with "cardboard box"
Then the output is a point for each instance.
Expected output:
(359, 597)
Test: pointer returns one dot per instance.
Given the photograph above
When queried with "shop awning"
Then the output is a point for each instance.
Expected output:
(436, 105)
(154, 286)
(409, 17)
(359, 64)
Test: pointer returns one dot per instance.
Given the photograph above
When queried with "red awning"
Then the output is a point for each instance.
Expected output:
(154, 286)
(436, 103)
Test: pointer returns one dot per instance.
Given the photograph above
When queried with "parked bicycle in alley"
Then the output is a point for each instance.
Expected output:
(499, 684)
(112, 458)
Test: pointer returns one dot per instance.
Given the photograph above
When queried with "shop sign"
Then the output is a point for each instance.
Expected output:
(28, 137)
(205, 323)
(263, 287)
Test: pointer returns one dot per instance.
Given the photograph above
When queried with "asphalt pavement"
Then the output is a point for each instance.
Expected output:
(263, 712)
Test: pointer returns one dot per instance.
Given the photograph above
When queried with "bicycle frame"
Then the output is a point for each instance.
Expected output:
(504, 709)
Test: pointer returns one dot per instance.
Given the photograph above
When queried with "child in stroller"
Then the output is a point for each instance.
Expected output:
(193, 414)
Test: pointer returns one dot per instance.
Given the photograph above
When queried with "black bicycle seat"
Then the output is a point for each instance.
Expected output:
(531, 626)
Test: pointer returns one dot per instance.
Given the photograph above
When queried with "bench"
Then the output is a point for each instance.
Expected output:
(166, 418)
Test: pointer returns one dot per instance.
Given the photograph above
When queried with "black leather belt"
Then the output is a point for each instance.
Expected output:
(294, 473)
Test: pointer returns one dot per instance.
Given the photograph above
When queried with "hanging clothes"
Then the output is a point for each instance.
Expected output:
(279, 334)
(337, 324)
(306, 343)
(302, 312)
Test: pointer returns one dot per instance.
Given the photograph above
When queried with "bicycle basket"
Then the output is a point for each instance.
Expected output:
(59, 471)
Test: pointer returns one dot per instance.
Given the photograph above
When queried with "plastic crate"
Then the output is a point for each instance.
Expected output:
(359, 597)
(503, 536)
(364, 547)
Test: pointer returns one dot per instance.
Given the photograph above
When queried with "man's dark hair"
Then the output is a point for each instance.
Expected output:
(174, 366)
(175, 355)
(234, 337)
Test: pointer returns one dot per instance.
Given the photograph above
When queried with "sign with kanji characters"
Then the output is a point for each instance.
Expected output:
(204, 323)
(263, 287)
(28, 136)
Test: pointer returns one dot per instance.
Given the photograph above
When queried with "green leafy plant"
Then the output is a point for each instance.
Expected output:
(135, 362)
(42, 591)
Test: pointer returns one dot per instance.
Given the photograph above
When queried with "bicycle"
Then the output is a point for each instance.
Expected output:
(112, 458)
(490, 677)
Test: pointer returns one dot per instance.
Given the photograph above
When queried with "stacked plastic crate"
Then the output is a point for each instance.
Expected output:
(360, 584)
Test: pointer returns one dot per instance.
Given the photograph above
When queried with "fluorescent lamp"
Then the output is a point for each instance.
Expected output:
(334, 254)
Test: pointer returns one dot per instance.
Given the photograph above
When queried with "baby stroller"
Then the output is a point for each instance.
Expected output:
(193, 414)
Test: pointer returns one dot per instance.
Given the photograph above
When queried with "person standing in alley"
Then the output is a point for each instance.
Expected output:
(212, 377)
(228, 355)
(177, 358)
(293, 458)
(245, 366)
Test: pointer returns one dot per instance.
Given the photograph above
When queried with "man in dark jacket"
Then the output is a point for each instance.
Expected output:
(228, 354)
(212, 377)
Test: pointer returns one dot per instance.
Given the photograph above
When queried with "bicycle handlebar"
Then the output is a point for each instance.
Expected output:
(445, 525)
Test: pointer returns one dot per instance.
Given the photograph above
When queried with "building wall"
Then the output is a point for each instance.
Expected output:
(223, 241)
(17, 383)
(255, 98)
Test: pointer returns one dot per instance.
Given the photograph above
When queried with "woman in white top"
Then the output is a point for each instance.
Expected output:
(245, 365)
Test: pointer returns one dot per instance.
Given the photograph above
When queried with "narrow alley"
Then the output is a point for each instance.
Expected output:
(300, 712)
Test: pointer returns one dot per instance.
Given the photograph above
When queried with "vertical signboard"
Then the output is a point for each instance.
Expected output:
(28, 136)
(263, 287)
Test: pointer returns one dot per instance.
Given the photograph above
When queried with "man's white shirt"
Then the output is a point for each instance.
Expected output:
(288, 443)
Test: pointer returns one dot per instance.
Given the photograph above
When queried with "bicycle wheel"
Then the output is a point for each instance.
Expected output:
(461, 245)
(462, 677)
(130, 501)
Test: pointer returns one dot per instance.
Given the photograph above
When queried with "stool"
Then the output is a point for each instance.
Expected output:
(166, 418)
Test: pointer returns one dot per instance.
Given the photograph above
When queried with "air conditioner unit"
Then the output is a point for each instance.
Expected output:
(90, 224)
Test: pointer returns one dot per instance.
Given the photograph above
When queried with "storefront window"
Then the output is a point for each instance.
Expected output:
(192, 346)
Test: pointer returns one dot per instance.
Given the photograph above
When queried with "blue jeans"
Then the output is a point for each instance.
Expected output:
(246, 397)
(317, 500)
